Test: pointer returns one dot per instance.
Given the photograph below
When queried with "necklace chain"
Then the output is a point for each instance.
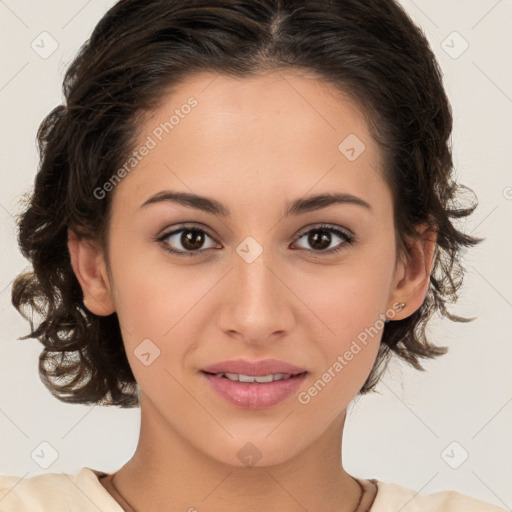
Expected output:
(125, 502)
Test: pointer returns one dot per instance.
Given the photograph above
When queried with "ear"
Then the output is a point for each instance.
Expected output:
(412, 274)
(88, 262)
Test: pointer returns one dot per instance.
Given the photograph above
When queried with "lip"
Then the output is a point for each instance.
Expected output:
(251, 368)
(254, 395)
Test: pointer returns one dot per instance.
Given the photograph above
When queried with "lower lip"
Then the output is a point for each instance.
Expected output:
(254, 395)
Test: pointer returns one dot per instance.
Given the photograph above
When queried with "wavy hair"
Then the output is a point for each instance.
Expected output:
(139, 51)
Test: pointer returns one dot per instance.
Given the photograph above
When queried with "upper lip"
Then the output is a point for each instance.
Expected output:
(254, 368)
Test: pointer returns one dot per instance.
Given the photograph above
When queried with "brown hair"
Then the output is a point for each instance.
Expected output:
(369, 49)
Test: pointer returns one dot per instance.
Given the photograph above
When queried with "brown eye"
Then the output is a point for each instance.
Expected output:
(186, 241)
(192, 239)
(321, 238)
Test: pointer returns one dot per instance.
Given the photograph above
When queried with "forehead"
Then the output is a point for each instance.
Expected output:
(276, 133)
(299, 106)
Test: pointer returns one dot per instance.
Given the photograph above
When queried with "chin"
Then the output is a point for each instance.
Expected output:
(259, 450)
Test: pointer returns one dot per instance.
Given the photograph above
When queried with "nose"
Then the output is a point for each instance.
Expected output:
(257, 304)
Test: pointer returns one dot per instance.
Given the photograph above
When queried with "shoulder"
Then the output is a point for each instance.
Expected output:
(80, 492)
(391, 496)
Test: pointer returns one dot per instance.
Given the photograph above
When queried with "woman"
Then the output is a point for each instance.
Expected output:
(243, 211)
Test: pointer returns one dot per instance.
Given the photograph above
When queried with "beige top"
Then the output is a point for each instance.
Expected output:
(83, 492)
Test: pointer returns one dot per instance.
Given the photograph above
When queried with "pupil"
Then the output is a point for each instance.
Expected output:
(315, 238)
(187, 239)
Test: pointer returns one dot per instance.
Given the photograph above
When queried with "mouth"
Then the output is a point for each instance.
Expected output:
(256, 368)
(260, 379)
(254, 391)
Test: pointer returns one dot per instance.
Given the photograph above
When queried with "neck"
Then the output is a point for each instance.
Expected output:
(167, 471)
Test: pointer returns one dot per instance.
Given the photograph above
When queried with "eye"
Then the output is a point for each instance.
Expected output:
(320, 238)
(191, 240)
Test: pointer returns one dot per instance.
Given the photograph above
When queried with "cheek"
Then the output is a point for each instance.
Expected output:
(348, 306)
(160, 326)
(348, 298)
(151, 303)
(161, 304)
(347, 346)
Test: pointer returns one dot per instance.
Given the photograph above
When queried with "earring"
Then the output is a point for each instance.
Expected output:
(398, 306)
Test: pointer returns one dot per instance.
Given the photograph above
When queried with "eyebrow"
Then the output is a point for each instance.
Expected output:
(296, 207)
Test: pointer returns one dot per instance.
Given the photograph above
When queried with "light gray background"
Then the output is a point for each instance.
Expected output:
(398, 435)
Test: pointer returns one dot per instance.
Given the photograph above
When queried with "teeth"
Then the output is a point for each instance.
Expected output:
(253, 378)
(230, 376)
(246, 378)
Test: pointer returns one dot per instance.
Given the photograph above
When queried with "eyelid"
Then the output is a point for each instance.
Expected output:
(319, 226)
(184, 225)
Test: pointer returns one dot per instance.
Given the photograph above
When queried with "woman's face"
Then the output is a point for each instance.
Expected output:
(255, 281)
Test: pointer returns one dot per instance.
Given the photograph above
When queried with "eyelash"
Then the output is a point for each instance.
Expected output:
(344, 234)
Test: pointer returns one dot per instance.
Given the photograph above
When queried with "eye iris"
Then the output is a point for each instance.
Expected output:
(188, 237)
(317, 237)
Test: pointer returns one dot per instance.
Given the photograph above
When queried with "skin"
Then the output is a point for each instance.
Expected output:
(253, 144)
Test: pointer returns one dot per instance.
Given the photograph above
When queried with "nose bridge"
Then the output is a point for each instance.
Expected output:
(256, 305)
(256, 284)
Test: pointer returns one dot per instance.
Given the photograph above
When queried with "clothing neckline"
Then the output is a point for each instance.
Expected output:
(371, 491)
